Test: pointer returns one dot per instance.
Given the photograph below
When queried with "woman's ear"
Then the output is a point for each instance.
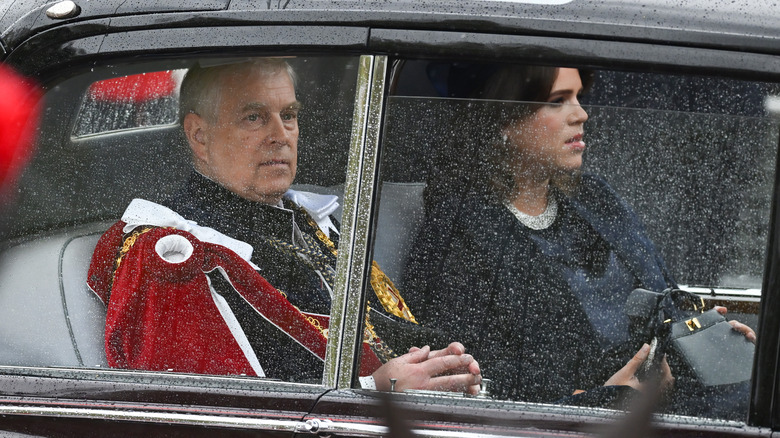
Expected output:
(196, 130)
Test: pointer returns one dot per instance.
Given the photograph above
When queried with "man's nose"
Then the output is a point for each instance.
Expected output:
(278, 131)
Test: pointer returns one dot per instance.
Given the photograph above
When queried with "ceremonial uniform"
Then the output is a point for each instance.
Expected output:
(252, 295)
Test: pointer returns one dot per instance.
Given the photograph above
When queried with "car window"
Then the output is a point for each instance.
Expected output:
(125, 154)
(536, 199)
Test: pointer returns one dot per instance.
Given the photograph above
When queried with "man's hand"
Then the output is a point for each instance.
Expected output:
(449, 369)
(750, 335)
(627, 374)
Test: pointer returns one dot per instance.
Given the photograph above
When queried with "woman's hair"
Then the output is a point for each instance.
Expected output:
(485, 155)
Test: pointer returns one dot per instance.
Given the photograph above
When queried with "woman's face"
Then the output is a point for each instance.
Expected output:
(549, 141)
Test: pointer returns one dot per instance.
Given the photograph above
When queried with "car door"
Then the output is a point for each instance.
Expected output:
(377, 119)
(109, 132)
(651, 108)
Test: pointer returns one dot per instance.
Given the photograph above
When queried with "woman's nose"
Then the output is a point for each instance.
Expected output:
(578, 115)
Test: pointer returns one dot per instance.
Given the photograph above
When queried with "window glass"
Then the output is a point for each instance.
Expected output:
(222, 262)
(145, 99)
(534, 200)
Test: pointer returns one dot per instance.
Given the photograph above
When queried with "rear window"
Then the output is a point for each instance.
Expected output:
(134, 101)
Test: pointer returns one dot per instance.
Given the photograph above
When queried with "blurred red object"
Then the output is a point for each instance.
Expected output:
(19, 111)
(135, 88)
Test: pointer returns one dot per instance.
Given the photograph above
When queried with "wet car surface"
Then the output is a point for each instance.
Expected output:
(681, 125)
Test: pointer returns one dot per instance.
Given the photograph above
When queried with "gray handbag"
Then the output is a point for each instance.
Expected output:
(712, 350)
(700, 345)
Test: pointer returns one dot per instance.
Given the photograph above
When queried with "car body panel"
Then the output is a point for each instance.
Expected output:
(649, 20)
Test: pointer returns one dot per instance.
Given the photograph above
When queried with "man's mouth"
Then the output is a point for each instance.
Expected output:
(275, 163)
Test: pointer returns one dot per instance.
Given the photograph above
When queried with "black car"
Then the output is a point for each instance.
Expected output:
(684, 124)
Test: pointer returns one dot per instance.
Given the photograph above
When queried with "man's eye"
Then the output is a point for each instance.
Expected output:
(253, 117)
(289, 116)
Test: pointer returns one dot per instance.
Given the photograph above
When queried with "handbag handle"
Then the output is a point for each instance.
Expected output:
(669, 308)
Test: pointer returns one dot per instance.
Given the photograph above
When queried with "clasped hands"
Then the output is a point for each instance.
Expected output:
(449, 369)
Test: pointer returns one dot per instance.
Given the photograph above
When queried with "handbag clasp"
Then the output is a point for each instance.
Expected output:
(693, 324)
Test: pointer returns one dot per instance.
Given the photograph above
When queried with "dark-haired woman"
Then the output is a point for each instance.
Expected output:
(530, 261)
(526, 258)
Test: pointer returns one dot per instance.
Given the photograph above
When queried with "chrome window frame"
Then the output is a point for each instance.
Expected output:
(352, 268)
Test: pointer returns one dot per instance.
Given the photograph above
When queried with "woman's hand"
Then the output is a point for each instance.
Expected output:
(449, 369)
(627, 374)
(750, 335)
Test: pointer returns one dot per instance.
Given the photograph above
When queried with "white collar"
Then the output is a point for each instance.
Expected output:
(320, 207)
(142, 212)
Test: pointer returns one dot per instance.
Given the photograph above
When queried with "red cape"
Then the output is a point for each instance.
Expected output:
(162, 316)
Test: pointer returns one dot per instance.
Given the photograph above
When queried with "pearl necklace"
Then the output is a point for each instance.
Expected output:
(540, 222)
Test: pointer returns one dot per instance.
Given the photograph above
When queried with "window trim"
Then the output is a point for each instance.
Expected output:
(621, 54)
(341, 358)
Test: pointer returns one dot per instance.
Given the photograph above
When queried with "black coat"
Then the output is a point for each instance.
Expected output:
(212, 205)
(476, 275)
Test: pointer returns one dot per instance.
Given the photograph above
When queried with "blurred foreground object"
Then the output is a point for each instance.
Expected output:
(19, 111)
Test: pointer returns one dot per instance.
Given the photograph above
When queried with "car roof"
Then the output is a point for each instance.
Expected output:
(745, 24)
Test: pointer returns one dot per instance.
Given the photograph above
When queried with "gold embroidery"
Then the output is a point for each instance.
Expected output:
(322, 237)
(312, 320)
(389, 296)
(126, 245)
(315, 322)
(382, 350)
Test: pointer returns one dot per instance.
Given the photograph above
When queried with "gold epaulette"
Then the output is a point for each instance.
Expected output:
(388, 294)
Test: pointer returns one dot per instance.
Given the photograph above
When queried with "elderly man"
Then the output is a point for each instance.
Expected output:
(233, 274)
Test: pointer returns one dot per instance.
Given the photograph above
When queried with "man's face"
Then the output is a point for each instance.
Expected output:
(250, 147)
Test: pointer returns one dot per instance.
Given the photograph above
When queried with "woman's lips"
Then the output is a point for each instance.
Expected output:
(576, 143)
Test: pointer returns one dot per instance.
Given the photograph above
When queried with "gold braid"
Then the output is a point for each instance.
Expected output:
(389, 296)
(127, 243)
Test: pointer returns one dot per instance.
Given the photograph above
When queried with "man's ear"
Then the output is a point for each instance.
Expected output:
(196, 129)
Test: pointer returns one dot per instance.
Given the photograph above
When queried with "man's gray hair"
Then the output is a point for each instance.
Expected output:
(201, 86)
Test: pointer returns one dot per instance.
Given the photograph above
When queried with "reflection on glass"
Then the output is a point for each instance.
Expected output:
(539, 218)
(134, 101)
